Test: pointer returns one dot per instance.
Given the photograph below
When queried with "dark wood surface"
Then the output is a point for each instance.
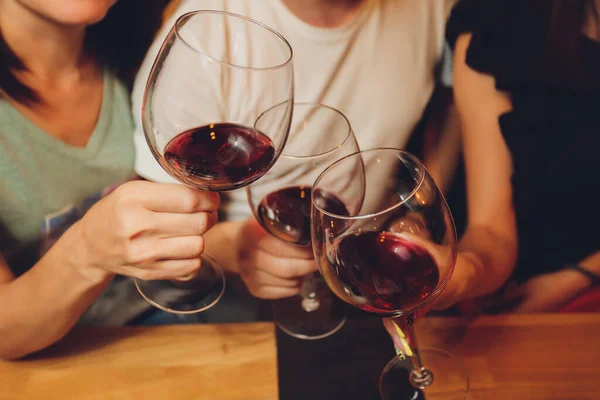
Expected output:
(345, 365)
(513, 357)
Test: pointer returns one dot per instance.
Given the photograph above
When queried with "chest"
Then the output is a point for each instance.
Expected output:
(68, 113)
(41, 175)
(36, 183)
(380, 72)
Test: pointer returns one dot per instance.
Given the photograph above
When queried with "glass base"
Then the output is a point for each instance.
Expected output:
(325, 318)
(450, 378)
(192, 294)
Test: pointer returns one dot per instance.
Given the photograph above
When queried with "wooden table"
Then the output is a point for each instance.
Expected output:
(552, 357)
(210, 362)
(548, 357)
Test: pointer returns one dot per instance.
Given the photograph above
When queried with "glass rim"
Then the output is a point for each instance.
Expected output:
(359, 217)
(316, 106)
(188, 15)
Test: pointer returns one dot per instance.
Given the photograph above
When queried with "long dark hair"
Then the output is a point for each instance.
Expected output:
(119, 42)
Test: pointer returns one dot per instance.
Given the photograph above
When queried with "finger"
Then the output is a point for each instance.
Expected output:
(163, 270)
(172, 197)
(270, 244)
(145, 252)
(279, 248)
(389, 326)
(401, 342)
(167, 225)
(285, 268)
(180, 248)
(257, 277)
(273, 292)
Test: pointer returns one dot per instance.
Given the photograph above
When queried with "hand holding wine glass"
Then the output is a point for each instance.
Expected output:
(271, 268)
(281, 201)
(215, 74)
(148, 230)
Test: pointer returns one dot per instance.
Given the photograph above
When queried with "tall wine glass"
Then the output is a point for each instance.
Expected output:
(319, 136)
(392, 257)
(215, 74)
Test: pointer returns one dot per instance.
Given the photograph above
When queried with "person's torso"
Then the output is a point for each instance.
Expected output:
(551, 131)
(379, 69)
(46, 185)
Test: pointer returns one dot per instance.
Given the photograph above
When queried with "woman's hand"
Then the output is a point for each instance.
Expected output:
(464, 278)
(270, 267)
(544, 293)
(549, 292)
(147, 230)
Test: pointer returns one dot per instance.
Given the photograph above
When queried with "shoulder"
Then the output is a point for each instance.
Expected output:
(470, 16)
(507, 22)
(501, 18)
(418, 25)
(502, 38)
(118, 88)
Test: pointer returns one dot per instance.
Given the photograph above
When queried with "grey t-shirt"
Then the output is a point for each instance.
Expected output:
(47, 185)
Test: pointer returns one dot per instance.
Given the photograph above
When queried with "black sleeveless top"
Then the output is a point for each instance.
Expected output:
(553, 132)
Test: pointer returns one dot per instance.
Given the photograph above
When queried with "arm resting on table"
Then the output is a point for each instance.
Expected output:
(488, 249)
(42, 305)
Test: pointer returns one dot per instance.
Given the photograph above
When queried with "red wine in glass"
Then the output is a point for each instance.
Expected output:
(285, 213)
(382, 272)
(222, 156)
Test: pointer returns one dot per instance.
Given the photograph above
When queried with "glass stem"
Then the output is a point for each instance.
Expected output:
(310, 300)
(403, 334)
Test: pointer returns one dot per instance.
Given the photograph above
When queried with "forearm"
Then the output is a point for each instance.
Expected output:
(442, 148)
(490, 259)
(221, 242)
(42, 305)
(485, 262)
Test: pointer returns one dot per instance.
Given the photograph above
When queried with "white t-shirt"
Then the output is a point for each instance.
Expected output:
(378, 69)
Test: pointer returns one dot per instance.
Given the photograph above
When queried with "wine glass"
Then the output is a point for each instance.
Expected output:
(215, 74)
(319, 135)
(392, 257)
